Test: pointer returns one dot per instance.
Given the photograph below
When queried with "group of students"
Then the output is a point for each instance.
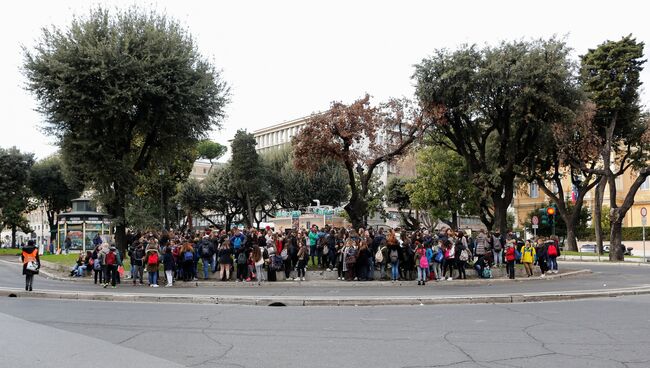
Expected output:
(363, 254)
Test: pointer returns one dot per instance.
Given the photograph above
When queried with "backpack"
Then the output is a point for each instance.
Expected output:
(497, 245)
(241, 258)
(205, 249)
(236, 243)
(379, 256)
(97, 265)
(424, 263)
(439, 256)
(552, 250)
(110, 259)
(517, 255)
(394, 255)
(276, 263)
(487, 273)
(464, 255)
(153, 259)
(284, 254)
(188, 256)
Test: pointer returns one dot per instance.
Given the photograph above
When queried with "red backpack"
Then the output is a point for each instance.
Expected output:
(110, 259)
(552, 250)
(153, 258)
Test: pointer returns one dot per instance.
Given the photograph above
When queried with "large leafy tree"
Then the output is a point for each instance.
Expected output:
(123, 92)
(611, 78)
(49, 185)
(361, 137)
(496, 101)
(443, 186)
(14, 190)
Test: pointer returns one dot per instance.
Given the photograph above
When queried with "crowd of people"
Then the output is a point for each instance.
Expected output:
(252, 255)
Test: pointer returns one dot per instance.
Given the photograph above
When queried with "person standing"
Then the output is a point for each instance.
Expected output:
(225, 260)
(510, 259)
(169, 266)
(31, 263)
(528, 257)
(394, 254)
(152, 260)
(313, 242)
(110, 264)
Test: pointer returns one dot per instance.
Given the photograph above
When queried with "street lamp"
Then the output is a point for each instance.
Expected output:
(178, 214)
(162, 206)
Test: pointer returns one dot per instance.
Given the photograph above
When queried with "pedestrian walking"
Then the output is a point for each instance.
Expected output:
(31, 263)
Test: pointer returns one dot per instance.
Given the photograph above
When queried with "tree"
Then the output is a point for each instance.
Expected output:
(362, 138)
(123, 93)
(397, 193)
(248, 176)
(293, 188)
(610, 76)
(496, 100)
(210, 150)
(49, 186)
(566, 142)
(444, 186)
(14, 190)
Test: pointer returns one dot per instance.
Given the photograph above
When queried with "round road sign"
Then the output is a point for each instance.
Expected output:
(535, 220)
(644, 211)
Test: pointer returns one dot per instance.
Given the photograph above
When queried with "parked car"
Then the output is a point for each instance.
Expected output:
(588, 248)
(627, 251)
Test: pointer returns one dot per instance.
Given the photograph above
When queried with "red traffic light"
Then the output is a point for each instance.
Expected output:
(550, 211)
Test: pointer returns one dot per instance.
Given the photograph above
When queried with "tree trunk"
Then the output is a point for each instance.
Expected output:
(120, 227)
(571, 243)
(13, 236)
(454, 220)
(249, 210)
(615, 240)
(356, 210)
(598, 209)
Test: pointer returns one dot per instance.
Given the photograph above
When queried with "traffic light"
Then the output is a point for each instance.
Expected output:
(550, 213)
(543, 216)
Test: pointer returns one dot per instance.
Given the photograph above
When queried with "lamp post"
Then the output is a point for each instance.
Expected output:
(178, 215)
(162, 206)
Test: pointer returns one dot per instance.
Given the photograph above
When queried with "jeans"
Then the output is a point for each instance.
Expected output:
(207, 267)
(422, 274)
(552, 263)
(137, 273)
(99, 274)
(371, 269)
(259, 272)
(153, 278)
(497, 257)
(395, 270)
(437, 269)
(81, 270)
(382, 270)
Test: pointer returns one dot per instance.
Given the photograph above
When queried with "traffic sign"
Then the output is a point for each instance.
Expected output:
(535, 226)
(644, 212)
(535, 220)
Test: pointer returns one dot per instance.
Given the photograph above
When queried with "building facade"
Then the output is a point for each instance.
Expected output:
(531, 196)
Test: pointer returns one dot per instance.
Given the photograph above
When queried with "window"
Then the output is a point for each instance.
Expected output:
(205, 170)
(534, 190)
(646, 184)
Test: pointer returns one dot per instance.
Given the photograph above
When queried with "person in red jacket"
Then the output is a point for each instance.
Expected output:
(511, 256)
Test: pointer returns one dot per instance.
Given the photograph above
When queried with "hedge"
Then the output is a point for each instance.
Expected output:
(629, 234)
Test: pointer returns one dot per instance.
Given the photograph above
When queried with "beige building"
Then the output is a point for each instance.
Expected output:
(278, 135)
(531, 196)
(201, 169)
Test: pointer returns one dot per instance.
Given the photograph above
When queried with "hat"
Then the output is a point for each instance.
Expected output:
(113, 248)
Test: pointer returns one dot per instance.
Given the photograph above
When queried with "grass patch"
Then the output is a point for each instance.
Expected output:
(10, 251)
(586, 254)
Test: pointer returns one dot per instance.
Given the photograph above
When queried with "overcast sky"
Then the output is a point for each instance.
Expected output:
(287, 59)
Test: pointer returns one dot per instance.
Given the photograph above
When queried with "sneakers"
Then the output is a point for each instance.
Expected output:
(296, 279)
(329, 270)
(155, 285)
(303, 279)
(449, 278)
(419, 282)
(334, 269)
(248, 279)
(338, 278)
(543, 275)
(168, 285)
(113, 287)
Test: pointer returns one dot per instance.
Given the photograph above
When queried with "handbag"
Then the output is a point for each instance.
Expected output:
(32, 266)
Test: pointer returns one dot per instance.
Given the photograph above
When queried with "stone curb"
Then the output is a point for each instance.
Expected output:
(325, 301)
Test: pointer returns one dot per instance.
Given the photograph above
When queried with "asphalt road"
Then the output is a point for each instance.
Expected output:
(613, 332)
(604, 277)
